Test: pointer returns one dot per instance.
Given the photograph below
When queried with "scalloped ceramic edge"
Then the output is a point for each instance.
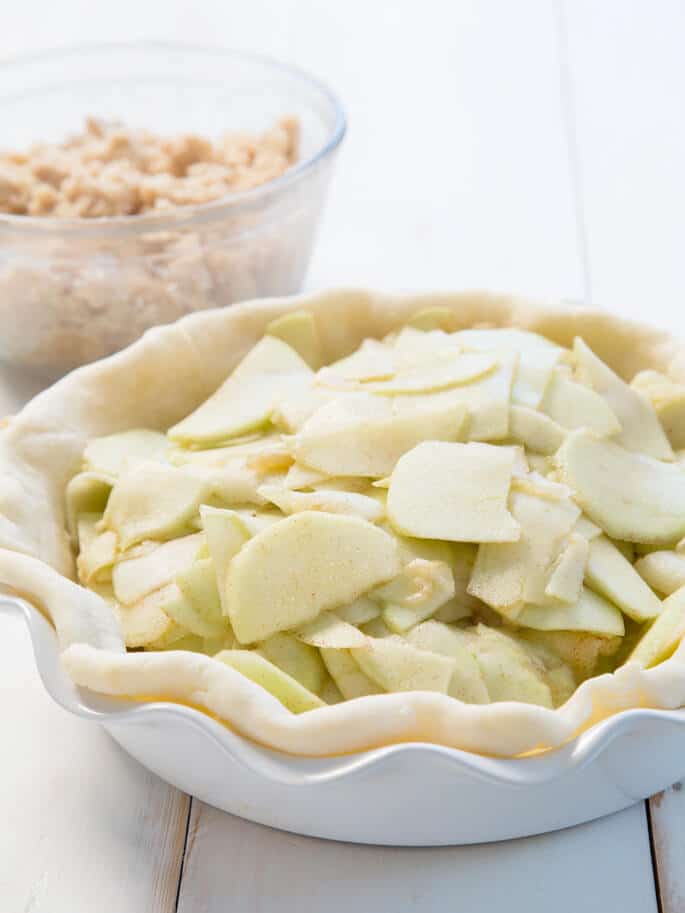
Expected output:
(413, 794)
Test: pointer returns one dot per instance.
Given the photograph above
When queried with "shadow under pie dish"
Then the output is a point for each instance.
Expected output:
(460, 487)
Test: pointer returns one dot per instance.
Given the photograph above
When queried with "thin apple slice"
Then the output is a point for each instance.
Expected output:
(508, 671)
(445, 370)
(226, 533)
(558, 676)
(153, 502)
(535, 430)
(467, 682)
(664, 634)
(372, 361)
(347, 675)
(415, 594)
(586, 528)
(590, 613)
(134, 578)
(145, 622)
(294, 696)
(611, 575)
(332, 502)
(566, 578)
(663, 571)
(185, 613)
(246, 400)
(298, 330)
(573, 405)
(397, 666)
(629, 495)
(309, 562)
(376, 628)
(87, 493)
(330, 693)
(298, 659)
(640, 427)
(197, 582)
(359, 611)
(329, 631)
(668, 399)
(115, 454)
(365, 435)
(508, 575)
(97, 550)
(581, 651)
(300, 476)
(453, 491)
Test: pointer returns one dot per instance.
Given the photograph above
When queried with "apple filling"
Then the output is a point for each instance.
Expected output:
(480, 513)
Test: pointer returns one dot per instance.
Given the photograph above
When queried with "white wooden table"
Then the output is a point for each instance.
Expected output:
(535, 146)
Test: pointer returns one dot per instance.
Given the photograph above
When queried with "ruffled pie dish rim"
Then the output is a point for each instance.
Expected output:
(131, 389)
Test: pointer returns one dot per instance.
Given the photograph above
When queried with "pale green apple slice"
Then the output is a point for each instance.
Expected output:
(558, 676)
(663, 571)
(118, 453)
(591, 613)
(153, 502)
(665, 633)
(333, 502)
(347, 675)
(462, 557)
(535, 430)
(294, 696)
(431, 318)
(467, 682)
(309, 562)
(415, 594)
(581, 651)
(232, 484)
(97, 550)
(300, 476)
(629, 495)
(145, 622)
(376, 628)
(640, 427)
(507, 575)
(86, 493)
(411, 344)
(185, 613)
(372, 361)
(365, 435)
(297, 405)
(189, 642)
(255, 520)
(246, 400)
(197, 582)
(586, 528)
(572, 405)
(443, 371)
(566, 578)
(612, 576)
(508, 671)
(298, 330)
(226, 533)
(453, 491)
(330, 631)
(298, 659)
(397, 666)
(134, 578)
(330, 693)
(668, 398)
(359, 611)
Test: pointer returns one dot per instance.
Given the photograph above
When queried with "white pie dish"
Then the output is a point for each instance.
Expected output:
(415, 794)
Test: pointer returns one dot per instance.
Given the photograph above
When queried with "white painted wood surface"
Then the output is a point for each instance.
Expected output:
(535, 147)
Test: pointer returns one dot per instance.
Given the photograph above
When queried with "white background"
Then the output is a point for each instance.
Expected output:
(534, 146)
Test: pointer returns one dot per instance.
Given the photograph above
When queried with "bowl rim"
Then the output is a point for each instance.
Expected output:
(181, 216)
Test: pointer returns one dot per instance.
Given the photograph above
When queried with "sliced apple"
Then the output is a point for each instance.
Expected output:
(630, 495)
(566, 577)
(397, 666)
(87, 493)
(415, 594)
(640, 427)
(507, 575)
(556, 673)
(226, 533)
(372, 361)
(300, 476)
(97, 551)
(309, 562)
(134, 578)
(665, 633)
(298, 659)
(431, 318)
(298, 330)
(590, 613)
(330, 693)
(586, 528)
(332, 502)
(668, 398)
(664, 571)
(580, 650)
(453, 491)
(186, 614)
(359, 611)
(535, 430)
(118, 453)
(445, 370)
(197, 582)
(328, 630)
(508, 671)
(467, 682)
(145, 621)
(376, 628)
(294, 696)
(246, 400)
(347, 675)
(572, 405)
(365, 435)
(611, 575)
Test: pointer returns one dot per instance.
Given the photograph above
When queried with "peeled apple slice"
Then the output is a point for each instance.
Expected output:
(298, 330)
(508, 671)
(641, 430)
(134, 578)
(347, 675)
(365, 435)
(446, 370)
(328, 630)
(332, 502)
(185, 613)
(245, 401)
(298, 659)
(453, 491)
(117, 453)
(415, 594)
(663, 571)
(566, 579)
(397, 666)
(226, 533)
(611, 575)
(87, 493)
(591, 614)
(536, 431)
(97, 551)
(467, 682)
(668, 398)
(307, 563)
(580, 650)
(294, 696)
(573, 405)
(371, 361)
(665, 634)
(629, 495)
(359, 612)
(145, 622)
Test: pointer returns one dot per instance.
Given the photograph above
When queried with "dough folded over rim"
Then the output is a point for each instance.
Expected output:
(164, 376)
